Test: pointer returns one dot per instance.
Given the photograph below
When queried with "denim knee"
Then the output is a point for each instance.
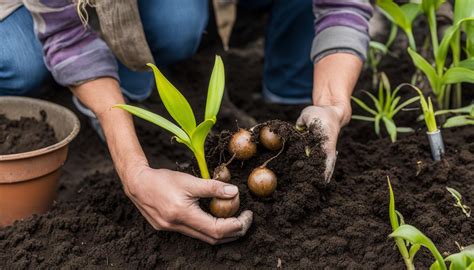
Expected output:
(173, 27)
(22, 69)
(21, 76)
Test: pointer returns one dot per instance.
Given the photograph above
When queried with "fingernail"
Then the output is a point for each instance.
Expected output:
(230, 190)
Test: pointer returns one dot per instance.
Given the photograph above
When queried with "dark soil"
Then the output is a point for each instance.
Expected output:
(25, 134)
(305, 224)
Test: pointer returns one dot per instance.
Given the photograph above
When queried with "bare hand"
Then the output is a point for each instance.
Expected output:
(329, 119)
(169, 202)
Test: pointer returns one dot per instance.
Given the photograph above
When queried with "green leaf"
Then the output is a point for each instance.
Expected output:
(363, 105)
(416, 237)
(374, 99)
(458, 121)
(404, 104)
(392, 212)
(200, 133)
(216, 89)
(377, 124)
(391, 128)
(393, 106)
(175, 103)
(363, 118)
(455, 193)
(411, 11)
(157, 120)
(378, 47)
(405, 129)
(463, 259)
(395, 13)
(467, 63)
(426, 68)
(466, 109)
(413, 250)
(458, 75)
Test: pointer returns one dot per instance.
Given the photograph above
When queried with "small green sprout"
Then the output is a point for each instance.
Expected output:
(385, 108)
(188, 133)
(457, 196)
(464, 260)
(427, 108)
(409, 239)
(402, 16)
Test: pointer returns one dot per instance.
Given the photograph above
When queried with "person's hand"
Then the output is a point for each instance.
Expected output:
(169, 202)
(330, 119)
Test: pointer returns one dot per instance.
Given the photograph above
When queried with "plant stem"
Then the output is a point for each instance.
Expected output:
(409, 263)
(411, 40)
(433, 30)
(201, 159)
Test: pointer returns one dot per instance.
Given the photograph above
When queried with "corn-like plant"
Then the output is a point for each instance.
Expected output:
(187, 133)
(402, 16)
(458, 197)
(386, 107)
(409, 239)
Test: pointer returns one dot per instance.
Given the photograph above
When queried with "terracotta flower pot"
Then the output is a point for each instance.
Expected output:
(29, 180)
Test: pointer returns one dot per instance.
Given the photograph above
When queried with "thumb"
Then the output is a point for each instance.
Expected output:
(212, 189)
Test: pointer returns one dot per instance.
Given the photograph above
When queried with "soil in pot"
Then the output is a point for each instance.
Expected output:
(24, 135)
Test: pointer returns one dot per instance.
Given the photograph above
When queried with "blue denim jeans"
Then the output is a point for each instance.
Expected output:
(173, 29)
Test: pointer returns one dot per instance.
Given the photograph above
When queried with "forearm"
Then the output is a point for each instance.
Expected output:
(100, 95)
(335, 77)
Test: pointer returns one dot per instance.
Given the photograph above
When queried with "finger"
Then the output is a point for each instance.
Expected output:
(219, 228)
(186, 230)
(330, 164)
(211, 189)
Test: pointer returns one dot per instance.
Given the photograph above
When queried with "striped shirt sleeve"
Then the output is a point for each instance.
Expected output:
(341, 26)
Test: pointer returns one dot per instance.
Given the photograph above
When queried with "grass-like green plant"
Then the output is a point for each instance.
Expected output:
(377, 51)
(386, 107)
(463, 260)
(427, 108)
(464, 117)
(458, 198)
(187, 133)
(409, 239)
(402, 16)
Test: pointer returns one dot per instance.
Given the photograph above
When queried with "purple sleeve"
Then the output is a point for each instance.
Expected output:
(72, 52)
(341, 25)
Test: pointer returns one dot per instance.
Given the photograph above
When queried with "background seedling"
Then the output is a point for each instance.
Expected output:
(178, 107)
(409, 239)
(465, 116)
(386, 107)
(458, 197)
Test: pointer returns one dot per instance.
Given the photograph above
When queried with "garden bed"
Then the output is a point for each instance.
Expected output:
(306, 224)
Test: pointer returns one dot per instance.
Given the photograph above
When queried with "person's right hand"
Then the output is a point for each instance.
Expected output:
(169, 201)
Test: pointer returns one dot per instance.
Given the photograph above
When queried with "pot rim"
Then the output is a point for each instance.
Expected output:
(51, 148)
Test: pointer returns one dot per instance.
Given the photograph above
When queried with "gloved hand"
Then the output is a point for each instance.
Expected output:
(330, 119)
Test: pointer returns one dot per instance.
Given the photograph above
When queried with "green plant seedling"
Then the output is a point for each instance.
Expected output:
(402, 16)
(409, 239)
(187, 133)
(457, 196)
(440, 77)
(428, 110)
(464, 260)
(386, 107)
(465, 117)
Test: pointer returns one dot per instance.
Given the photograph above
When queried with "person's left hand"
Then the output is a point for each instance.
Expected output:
(330, 119)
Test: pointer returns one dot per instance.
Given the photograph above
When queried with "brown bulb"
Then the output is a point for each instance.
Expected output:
(262, 182)
(270, 139)
(224, 208)
(241, 145)
(222, 174)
